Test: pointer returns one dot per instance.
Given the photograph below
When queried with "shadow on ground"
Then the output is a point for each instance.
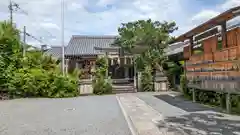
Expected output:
(201, 124)
(200, 120)
(184, 104)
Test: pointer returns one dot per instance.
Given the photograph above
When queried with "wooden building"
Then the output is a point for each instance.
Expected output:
(82, 52)
(216, 67)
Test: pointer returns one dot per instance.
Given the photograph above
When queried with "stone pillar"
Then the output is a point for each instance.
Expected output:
(126, 73)
(228, 103)
(106, 56)
(194, 95)
(76, 64)
(66, 65)
(135, 75)
(125, 60)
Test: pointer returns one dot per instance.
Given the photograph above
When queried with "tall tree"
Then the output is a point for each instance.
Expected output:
(154, 35)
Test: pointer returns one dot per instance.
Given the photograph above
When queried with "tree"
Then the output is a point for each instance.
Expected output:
(152, 35)
(146, 33)
(32, 75)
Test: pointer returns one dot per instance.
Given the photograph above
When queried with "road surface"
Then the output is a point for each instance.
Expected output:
(92, 115)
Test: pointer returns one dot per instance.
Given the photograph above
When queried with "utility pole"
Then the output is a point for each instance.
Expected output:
(11, 11)
(24, 40)
(62, 36)
(12, 6)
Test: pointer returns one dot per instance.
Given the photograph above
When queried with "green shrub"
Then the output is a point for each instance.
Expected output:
(210, 97)
(32, 75)
(101, 84)
(147, 79)
(183, 84)
(63, 86)
(40, 83)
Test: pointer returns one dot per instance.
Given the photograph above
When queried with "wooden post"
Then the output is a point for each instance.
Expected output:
(224, 34)
(191, 45)
(228, 103)
(194, 95)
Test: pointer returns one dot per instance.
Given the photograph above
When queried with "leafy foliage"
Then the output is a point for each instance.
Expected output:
(34, 75)
(152, 35)
(145, 33)
(172, 69)
(101, 84)
(147, 79)
(210, 97)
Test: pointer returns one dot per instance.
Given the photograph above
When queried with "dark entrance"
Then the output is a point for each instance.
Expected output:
(116, 71)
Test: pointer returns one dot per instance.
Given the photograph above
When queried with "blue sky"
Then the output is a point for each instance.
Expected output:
(102, 17)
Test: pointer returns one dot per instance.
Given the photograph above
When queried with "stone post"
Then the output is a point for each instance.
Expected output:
(126, 73)
(106, 56)
(76, 64)
(66, 65)
(194, 94)
(135, 75)
(228, 103)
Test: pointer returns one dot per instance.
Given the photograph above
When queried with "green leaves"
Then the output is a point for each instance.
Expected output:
(147, 79)
(35, 75)
(101, 84)
(153, 34)
(145, 33)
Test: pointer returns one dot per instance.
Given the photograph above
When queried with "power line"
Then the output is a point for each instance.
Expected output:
(14, 6)
(33, 37)
(26, 13)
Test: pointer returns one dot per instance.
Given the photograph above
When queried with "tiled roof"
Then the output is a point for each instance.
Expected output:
(85, 45)
(55, 51)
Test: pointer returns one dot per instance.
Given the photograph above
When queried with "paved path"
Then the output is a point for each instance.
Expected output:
(139, 113)
(92, 115)
(168, 115)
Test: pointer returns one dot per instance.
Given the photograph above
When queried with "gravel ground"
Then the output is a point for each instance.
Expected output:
(92, 115)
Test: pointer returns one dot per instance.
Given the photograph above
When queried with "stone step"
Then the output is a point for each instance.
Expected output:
(122, 86)
(123, 89)
(121, 81)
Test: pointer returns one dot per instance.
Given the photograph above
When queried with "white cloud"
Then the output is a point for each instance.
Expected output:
(205, 15)
(50, 25)
(230, 4)
(105, 2)
(43, 19)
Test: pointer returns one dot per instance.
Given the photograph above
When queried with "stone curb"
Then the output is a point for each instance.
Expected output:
(127, 118)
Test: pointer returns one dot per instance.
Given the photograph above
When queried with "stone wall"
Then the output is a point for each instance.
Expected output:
(85, 87)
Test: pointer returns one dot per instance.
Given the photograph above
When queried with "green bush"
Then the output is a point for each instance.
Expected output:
(183, 84)
(40, 83)
(101, 84)
(32, 75)
(210, 97)
(147, 79)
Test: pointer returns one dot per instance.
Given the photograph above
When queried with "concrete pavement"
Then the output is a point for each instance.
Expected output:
(91, 115)
(123, 114)
(169, 115)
